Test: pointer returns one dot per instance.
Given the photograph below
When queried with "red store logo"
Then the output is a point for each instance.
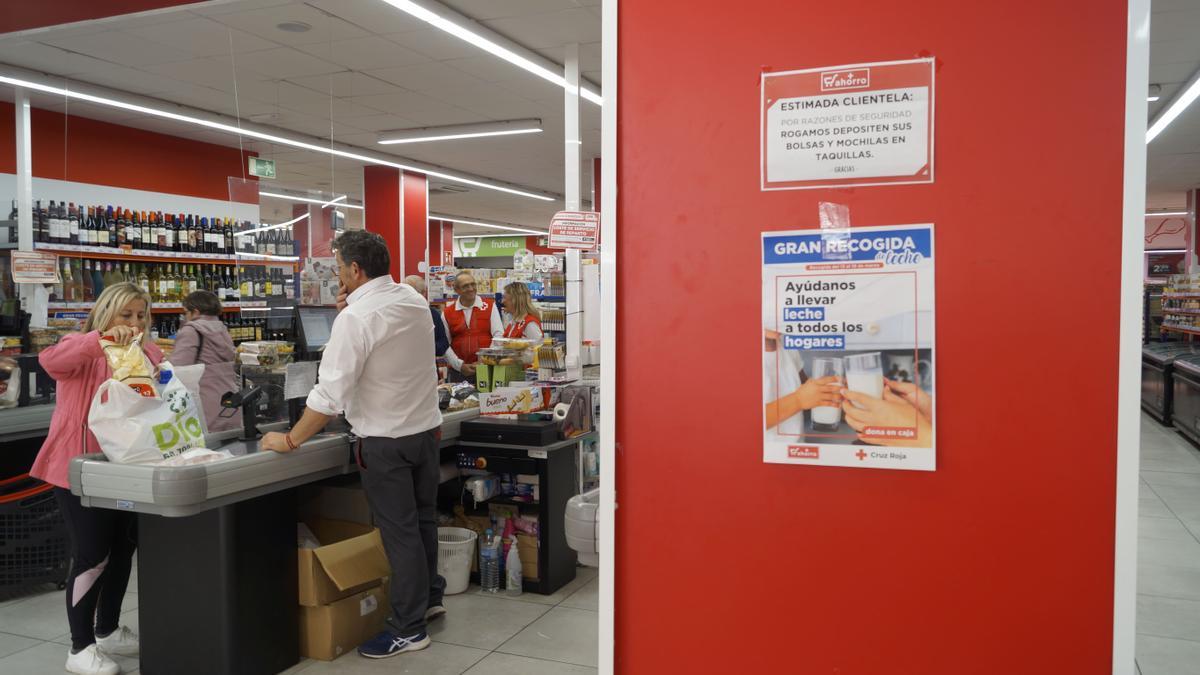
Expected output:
(837, 80)
(804, 452)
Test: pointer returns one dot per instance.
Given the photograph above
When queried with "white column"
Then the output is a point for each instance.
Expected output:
(571, 193)
(24, 172)
(571, 126)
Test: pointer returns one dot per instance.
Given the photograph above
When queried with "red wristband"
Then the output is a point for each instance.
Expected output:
(288, 439)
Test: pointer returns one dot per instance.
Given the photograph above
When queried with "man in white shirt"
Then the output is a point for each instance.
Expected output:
(375, 369)
(471, 322)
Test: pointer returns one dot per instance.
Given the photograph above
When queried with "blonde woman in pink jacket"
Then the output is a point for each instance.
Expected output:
(102, 541)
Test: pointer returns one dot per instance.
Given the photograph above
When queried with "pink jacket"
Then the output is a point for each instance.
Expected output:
(78, 366)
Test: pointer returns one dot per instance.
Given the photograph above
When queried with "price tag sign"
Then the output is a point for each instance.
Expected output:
(853, 125)
(34, 267)
(575, 229)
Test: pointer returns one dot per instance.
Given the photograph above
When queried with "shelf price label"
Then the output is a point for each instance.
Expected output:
(861, 124)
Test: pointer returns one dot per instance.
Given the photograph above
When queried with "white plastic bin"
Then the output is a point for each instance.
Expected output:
(456, 550)
(582, 528)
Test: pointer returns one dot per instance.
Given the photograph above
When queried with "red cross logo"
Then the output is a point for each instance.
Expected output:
(860, 455)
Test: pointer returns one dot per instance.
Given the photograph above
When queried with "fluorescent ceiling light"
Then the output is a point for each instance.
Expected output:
(477, 223)
(1166, 250)
(1167, 213)
(456, 131)
(1175, 108)
(272, 138)
(1152, 98)
(310, 200)
(332, 201)
(460, 30)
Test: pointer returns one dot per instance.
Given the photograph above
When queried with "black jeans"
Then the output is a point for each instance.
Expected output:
(401, 479)
(102, 546)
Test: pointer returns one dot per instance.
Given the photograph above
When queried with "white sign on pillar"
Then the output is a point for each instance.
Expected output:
(572, 144)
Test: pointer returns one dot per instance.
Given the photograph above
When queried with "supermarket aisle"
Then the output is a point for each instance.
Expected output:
(1168, 621)
(493, 635)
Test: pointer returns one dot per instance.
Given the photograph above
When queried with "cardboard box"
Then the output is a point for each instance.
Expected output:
(331, 630)
(347, 501)
(527, 549)
(350, 559)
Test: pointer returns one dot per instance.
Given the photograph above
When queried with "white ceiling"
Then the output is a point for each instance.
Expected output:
(1173, 158)
(363, 68)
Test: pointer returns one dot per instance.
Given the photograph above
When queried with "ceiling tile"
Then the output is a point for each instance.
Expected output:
(365, 53)
(489, 101)
(435, 44)
(425, 76)
(37, 56)
(380, 123)
(532, 88)
(340, 108)
(553, 29)
(199, 36)
(590, 55)
(285, 62)
(402, 103)
(491, 69)
(1171, 72)
(1175, 51)
(263, 22)
(372, 15)
(1174, 26)
(345, 84)
(116, 47)
(236, 6)
(481, 10)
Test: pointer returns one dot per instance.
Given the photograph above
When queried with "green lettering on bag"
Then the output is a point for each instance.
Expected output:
(164, 441)
(192, 426)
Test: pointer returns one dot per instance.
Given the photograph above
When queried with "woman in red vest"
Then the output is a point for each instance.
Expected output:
(472, 322)
(525, 320)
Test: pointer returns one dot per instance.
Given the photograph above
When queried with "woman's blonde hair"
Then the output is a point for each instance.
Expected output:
(111, 302)
(522, 302)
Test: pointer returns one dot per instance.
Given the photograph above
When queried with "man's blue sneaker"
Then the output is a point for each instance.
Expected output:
(388, 644)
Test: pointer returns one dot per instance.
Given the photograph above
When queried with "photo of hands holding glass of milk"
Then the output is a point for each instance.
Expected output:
(880, 390)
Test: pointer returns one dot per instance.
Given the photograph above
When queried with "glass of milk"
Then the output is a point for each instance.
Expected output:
(864, 374)
(825, 417)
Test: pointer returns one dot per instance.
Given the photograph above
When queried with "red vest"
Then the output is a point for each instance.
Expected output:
(516, 329)
(468, 340)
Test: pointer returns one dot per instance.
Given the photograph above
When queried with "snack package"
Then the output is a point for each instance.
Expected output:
(130, 365)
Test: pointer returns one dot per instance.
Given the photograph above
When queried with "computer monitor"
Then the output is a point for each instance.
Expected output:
(313, 325)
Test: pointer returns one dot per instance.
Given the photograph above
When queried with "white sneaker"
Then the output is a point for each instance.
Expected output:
(91, 661)
(122, 642)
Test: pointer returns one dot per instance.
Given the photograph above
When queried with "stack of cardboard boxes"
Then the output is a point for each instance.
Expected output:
(343, 581)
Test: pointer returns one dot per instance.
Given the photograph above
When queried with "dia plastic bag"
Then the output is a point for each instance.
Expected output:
(136, 429)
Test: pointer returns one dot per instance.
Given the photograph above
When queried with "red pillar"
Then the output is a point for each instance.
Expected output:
(435, 242)
(320, 223)
(395, 205)
(414, 224)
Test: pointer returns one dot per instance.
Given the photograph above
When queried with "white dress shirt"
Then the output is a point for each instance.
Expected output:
(497, 327)
(375, 367)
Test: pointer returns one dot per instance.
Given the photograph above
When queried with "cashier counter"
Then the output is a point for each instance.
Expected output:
(217, 571)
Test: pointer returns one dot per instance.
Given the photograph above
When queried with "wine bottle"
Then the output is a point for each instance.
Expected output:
(229, 236)
(149, 229)
(143, 280)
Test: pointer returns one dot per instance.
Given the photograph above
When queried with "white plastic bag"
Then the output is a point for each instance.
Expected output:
(136, 429)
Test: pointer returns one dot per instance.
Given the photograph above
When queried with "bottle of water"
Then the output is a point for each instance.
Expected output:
(489, 563)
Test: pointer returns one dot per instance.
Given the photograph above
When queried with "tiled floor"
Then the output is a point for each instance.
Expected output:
(1168, 619)
(480, 635)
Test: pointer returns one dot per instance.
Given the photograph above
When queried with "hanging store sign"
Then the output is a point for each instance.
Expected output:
(848, 349)
(574, 229)
(487, 247)
(863, 124)
(34, 267)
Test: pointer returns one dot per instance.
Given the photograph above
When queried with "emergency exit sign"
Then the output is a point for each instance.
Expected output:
(263, 168)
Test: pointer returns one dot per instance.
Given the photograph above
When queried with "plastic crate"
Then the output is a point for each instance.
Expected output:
(33, 537)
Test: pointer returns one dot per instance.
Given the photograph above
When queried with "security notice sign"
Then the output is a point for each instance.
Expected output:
(848, 348)
(574, 229)
(861, 124)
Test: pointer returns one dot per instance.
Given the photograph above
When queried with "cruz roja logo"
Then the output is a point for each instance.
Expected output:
(859, 78)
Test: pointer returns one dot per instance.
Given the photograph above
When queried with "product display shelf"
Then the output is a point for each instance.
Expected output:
(1180, 296)
(158, 308)
(1192, 312)
(138, 255)
(1180, 329)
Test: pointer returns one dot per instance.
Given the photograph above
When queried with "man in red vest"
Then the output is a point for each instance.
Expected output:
(472, 322)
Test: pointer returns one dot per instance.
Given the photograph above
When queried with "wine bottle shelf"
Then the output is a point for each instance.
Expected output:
(110, 253)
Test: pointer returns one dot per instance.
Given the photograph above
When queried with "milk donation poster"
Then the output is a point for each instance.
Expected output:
(848, 347)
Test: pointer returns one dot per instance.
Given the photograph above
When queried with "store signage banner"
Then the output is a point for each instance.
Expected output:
(486, 247)
(34, 267)
(574, 229)
(848, 349)
(861, 124)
